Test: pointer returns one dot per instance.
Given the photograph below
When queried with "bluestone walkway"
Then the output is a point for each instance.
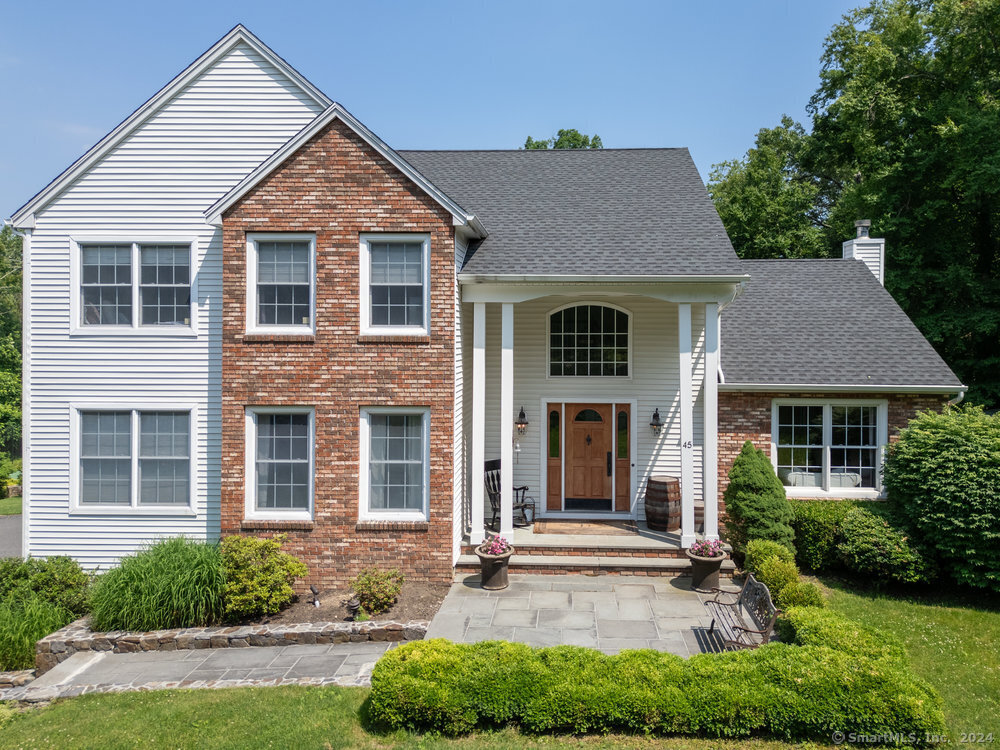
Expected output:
(106, 672)
(609, 613)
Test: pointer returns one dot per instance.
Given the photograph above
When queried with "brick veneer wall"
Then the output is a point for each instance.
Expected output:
(747, 416)
(337, 187)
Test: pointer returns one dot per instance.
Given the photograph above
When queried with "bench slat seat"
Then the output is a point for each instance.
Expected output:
(744, 619)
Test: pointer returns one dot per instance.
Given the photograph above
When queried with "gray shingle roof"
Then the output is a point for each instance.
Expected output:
(823, 322)
(583, 212)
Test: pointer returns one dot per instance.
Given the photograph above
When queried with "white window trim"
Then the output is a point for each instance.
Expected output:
(252, 326)
(364, 294)
(364, 475)
(583, 378)
(251, 511)
(882, 438)
(77, 508)
(76, 325)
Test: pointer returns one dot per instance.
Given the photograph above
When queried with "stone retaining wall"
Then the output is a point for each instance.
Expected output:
(77, 636)
(16, 679)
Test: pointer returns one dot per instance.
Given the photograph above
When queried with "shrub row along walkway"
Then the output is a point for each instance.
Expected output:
(609, 613)
(107, 672)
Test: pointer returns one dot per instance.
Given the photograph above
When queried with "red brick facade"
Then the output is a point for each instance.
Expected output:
(747, 416)
(337, 188)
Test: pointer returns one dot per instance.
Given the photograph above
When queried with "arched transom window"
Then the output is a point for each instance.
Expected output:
(589, 340)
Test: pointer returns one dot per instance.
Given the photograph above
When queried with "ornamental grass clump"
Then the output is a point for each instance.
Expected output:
(174, 583)
(24, 620)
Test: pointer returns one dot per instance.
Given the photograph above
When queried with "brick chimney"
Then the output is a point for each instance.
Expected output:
(869, 250)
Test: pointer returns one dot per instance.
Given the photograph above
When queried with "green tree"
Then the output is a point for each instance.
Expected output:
(769, 204)
(10, 340)
(756, 505)
(904, 131)
(571, 138)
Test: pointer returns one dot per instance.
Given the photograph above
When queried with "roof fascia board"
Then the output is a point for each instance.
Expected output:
(336, 112)
(481, 278)
(23, 216)
(840, 388)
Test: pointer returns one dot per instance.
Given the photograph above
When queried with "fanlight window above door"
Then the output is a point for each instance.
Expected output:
(588, 415)
(589, 340)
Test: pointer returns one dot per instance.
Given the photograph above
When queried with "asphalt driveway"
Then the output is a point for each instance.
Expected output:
(10, 536)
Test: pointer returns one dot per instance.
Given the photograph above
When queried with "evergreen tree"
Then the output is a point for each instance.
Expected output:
(756, 505)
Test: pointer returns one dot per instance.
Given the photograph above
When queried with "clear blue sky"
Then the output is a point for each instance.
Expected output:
(469, 74)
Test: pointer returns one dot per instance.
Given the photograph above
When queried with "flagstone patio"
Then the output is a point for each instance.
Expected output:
(610, 613)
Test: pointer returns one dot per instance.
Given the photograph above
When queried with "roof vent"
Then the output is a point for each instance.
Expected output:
(869, 250)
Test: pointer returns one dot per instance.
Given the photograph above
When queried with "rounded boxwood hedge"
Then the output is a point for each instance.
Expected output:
(832, 681)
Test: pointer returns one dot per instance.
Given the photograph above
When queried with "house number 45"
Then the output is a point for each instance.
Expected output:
(687, 444)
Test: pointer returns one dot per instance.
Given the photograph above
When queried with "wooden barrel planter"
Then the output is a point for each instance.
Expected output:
(663, 503)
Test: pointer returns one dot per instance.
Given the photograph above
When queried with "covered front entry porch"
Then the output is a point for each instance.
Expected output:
(589, 365)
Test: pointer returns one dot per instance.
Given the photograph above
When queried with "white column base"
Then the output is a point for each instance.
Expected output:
(688, 539)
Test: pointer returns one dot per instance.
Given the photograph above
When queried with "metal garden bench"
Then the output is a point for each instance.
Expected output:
(748, 620)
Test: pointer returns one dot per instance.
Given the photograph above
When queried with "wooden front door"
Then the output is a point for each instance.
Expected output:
(589, 456)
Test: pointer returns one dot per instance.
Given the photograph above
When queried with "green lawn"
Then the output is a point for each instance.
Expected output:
(282, 717)
(10, 506)
(953, 641)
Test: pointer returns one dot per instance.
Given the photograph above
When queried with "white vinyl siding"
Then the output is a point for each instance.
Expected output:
(153, 187)
(654, 383)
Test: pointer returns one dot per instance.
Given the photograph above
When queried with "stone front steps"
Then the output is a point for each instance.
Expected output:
(566, 562)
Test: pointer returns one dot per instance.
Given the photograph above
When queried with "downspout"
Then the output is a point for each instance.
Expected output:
(957, 400)
(718, 319)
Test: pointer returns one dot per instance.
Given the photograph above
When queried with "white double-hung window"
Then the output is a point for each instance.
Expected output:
(281, 283)
(131, 459)
(133, 286)
(279, 463)
(395, 463)
(829, 447)
(395, 284)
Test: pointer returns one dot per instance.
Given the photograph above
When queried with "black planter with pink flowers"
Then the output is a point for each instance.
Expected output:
(494, 557)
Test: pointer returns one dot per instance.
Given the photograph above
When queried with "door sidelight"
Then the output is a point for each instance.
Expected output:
(609, 463)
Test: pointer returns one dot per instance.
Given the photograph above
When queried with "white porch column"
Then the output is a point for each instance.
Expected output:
(710, 450)
(477, 531)
(687, 424)
(507, 420)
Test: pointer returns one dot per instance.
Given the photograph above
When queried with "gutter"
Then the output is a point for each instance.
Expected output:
(841, 388)
(487, 278)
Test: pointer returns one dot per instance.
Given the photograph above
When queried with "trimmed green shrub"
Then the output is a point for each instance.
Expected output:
(58, 580)
(377, 589)
(811, 626)
(800, 594)
(871, 547)
(756, 506)
(943, 481)
(174, 583)
(776, 573)
(817, 528)
(24, 620)
(259, 576)
(780, 690)
(759, 550)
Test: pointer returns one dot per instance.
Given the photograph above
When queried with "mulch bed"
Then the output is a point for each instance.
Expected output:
(417, 601)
